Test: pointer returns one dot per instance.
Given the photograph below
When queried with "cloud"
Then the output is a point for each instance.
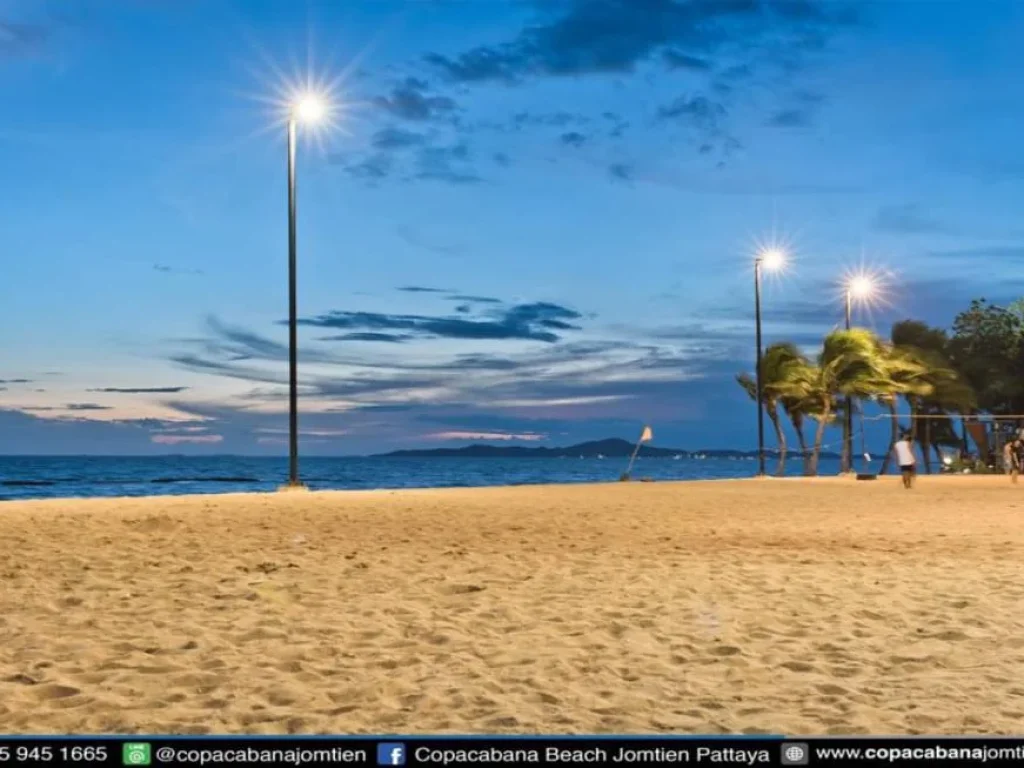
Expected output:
(15, 381)
(675, 59)
(474, 299)
(163, 439)
(229, 345)
(1000, 253)
(907, 219)
(373, 168)
(168, 270)
(499, 436)
(409, 101)
(615, 36)
(790, 118)
(397, 138)
(621, 172)
(533, 322)
(448, 164)
(417, 240)
(20, 39)
(559, 119)
(87, 407)
(389, 338)
(140, 390)
(699, 110)
(422, 289)
(573, 139)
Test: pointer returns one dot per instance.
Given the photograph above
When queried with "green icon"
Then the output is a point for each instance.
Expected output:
(136, 753)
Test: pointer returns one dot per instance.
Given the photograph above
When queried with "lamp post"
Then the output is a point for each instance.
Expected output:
(859, 287)
(771, 259)
(307, 109)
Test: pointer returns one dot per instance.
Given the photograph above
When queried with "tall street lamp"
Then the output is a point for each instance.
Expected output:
(771, 259)
(309, 108)
(858, 288)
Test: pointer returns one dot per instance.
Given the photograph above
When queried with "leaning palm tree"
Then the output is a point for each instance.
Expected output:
(850, 365)
(780, 365)
(949, 393)
(936, 389)
(908, 376)
(797, 412)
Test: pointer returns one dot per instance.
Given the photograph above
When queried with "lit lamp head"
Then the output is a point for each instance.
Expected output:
(860, 287)
(309, 108)
(772, 259)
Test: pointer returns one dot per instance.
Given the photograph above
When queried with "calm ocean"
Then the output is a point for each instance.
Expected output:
(28, 477)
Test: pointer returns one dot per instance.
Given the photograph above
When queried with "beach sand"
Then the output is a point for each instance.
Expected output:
(792, 606)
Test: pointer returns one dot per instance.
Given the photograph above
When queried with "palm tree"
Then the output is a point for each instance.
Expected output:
(780, 365)
(935, 389)
(796, 411)
(850, 365)
(949, 393)
(907, 376)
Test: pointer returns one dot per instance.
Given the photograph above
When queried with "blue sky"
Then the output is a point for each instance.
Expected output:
(530, 221)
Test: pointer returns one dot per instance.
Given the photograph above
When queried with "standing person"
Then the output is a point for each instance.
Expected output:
(904, 450)
(1010, 465)
(1017, 459)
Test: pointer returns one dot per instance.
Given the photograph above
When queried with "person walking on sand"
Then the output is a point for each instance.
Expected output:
(1010, 460)
(904, 450)
(1016, 458)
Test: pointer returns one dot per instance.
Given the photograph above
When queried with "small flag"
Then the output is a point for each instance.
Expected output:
(646, 436)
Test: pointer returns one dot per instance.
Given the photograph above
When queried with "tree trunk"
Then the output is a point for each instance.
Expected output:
(845, 459)
(894, 435)
(926, 445)
(798, 427)
(780, 437)
(819, 437)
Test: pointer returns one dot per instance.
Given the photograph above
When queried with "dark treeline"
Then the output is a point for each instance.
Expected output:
(976, 368)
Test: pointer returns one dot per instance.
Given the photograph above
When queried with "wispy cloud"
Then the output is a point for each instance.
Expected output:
(573, 139)
(411, 100)
(791, 118)
(907, 219)
(388, 338)
(422, 289)
(497, 436)
(140, 390)
(397, 138)
(163, 439)
(615, 36)
(17, 39)
(169, 270)
(532, 322)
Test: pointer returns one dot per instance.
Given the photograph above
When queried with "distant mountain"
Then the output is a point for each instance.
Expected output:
(610, 448)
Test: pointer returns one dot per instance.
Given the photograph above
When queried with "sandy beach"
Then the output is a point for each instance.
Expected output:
(794, 606)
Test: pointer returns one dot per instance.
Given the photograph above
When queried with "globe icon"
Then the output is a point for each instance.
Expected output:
(794, 754)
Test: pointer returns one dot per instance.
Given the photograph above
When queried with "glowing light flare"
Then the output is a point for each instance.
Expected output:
(310, 108)
(861, 286)
(772, 259)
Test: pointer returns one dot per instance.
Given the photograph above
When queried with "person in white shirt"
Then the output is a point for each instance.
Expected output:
(904, 450)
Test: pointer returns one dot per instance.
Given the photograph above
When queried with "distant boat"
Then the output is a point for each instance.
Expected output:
(678, 456)
(600, 455)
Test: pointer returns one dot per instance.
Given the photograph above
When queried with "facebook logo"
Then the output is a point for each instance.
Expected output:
(391, 754)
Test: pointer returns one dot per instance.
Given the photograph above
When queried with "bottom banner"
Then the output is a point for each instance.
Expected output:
(554, 751)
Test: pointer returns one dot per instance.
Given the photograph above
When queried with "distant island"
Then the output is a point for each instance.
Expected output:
(610, 448)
